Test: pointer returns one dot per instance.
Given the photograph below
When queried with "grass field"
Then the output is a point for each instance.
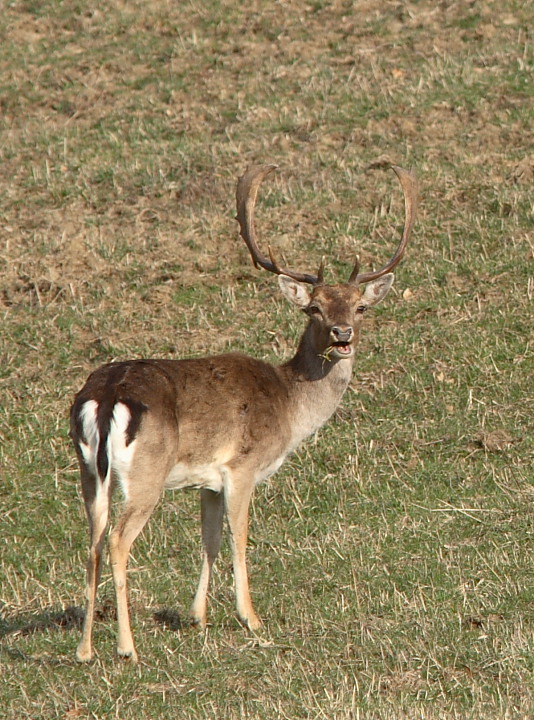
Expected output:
(392, 557)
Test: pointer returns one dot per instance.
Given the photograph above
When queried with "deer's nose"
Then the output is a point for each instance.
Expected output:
(342, 333)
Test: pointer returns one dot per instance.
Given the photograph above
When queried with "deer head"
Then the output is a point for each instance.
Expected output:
(335, 311)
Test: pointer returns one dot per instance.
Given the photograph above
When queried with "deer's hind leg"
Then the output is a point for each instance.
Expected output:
(142, 488)
(97, 495)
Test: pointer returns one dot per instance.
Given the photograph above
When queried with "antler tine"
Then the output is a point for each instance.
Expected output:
(355, 271)
(246, 194)
(410, 190)
(320, 272)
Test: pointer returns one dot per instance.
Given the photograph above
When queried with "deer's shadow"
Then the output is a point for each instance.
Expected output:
(24, 624)
(72, 618)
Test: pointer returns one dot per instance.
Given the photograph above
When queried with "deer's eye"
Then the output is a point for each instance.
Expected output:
(361, 309)
(313, 310)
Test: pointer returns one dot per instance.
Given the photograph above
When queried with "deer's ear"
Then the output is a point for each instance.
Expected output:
(377, 290)
(295, 292)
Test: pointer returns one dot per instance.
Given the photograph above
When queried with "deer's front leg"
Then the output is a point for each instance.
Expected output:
(237, 500)
(212, 514)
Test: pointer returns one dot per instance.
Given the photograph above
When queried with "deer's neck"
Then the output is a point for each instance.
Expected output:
(316, 385)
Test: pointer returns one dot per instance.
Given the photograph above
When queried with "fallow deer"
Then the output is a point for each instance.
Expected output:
(221, 424)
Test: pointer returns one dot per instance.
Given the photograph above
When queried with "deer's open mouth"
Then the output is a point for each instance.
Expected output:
(341, 349)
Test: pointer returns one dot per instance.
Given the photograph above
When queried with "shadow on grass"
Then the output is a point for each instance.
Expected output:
(170, 619)
(70, 617)
(24, 625)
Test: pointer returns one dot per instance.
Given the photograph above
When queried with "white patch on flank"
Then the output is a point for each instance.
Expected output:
(90, 432)
(120, 454)
(88, 413)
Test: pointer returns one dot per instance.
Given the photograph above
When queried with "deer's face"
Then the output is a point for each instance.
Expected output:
(336, 311)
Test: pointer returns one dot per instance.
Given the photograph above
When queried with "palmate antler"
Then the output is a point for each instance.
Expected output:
(247, 192)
